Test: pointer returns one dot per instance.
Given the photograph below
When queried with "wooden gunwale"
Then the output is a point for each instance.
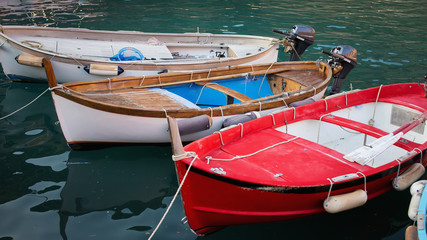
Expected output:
(175, 78)
(269, 102)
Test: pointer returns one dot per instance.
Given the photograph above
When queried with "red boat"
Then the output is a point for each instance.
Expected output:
(327, 156)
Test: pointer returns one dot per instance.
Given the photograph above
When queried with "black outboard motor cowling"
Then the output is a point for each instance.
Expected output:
(299, 38)
(343, 60)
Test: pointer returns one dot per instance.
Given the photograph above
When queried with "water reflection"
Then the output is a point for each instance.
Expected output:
(124, 181)
(49, 13)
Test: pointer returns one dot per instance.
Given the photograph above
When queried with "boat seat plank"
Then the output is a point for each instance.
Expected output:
(305, 78)
(363, 128)
(143, 98)
(242, 50)
(230, 92)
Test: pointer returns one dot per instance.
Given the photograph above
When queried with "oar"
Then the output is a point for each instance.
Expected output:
(366, 154)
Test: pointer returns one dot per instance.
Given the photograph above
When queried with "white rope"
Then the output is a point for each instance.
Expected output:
(26, 105)
(375, 106)
(251, 154)
(286, 105)
(372, 120)
(259, 90)
(330, 189)
(174, 197)
(274, 121)
(315, 91)
(421, 154)
(142, 81)
(200, 94)
(220, 137)
(364, 177)
(211, 112)
(326, 104)
(398, 168)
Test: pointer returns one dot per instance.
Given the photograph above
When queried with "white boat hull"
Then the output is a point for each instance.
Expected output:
(81, 124)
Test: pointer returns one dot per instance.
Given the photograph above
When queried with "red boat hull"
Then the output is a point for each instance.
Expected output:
(210, 207)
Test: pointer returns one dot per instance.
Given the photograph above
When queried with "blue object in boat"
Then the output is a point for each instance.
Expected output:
(421, 221)
(128, 54)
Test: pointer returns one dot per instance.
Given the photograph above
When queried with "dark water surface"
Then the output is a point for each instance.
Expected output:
(48, 191)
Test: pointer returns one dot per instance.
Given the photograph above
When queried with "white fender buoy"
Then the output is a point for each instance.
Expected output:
(416, 192)
(417, 187)
(194, 124)
(343, 202)
(29, 60)
(413, 206)
(103, 69)
(413, 173)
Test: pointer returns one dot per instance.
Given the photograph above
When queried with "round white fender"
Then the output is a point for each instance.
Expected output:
(413, 173)
(416, 192)
(343, 202)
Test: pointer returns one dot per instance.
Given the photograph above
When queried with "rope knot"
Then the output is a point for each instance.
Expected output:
(184, 155)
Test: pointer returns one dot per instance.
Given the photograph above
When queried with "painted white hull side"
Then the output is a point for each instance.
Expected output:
(82, 124)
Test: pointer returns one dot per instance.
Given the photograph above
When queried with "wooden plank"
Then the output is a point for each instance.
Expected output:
(146, 99)
(230, 92)
(304, 77)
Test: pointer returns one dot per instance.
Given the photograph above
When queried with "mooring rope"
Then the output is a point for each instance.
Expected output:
(262, 81)
(26, 105)
(251, 154)
(188, 154)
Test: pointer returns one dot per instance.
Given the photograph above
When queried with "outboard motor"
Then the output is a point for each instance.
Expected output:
(297, 40)
(343, 60)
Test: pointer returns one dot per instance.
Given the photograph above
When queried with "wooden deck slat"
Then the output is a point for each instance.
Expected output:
(141, 99)
(305, 78)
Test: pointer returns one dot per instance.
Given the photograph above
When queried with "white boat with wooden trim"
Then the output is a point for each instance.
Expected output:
(134, 109)
(84, 55)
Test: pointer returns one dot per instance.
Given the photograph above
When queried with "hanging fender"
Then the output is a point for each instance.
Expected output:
(29, 60)
(413, 173)
(103, 69)
(343, 202)
(416, 192)
(194, 124)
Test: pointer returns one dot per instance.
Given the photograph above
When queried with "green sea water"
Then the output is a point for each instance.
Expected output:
(48, 191)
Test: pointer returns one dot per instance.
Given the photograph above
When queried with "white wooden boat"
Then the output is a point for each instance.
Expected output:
(134, 109)
(83, 54)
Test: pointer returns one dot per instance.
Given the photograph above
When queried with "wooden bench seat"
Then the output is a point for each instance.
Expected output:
(230, 92)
